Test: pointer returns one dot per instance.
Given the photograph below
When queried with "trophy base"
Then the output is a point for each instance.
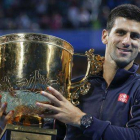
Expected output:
(16, 132)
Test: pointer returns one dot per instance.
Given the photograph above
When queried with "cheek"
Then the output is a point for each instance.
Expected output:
(112, 45)
(136, 47)
(139, 47)
(136, 51)
(113, 41)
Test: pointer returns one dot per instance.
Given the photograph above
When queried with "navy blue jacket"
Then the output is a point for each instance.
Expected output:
(115, 110)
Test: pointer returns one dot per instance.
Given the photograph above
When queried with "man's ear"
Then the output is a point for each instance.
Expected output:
(105, 36)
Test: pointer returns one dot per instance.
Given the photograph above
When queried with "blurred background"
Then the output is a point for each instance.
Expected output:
(80, 22)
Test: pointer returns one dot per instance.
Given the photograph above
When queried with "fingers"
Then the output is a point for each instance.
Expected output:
(9, 115)
(57, 94)
(48, 107)
(52, 98)
(3, 108)
(50, 115)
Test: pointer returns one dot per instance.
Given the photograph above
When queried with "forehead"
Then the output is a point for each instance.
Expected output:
(126, 24)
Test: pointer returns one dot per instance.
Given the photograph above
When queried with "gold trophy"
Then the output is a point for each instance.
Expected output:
(30, 62)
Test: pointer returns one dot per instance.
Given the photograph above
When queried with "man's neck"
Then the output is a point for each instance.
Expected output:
(110, 69)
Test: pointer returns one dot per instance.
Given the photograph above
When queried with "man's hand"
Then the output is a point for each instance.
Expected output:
(4, 118)
(62, 109)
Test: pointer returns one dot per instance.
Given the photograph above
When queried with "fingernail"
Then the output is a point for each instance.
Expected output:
(42, 92)
(49, 88)
(4, 105)
(12, 112)
(37, 103)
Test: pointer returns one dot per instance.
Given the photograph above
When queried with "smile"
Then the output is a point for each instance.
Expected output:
(124, 51)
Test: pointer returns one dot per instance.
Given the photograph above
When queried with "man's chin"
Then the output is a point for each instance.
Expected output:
(122, 64)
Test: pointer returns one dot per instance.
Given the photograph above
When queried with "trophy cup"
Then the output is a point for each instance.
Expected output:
(30, 62)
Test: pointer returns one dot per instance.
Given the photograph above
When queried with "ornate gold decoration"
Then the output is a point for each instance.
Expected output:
(95, 67)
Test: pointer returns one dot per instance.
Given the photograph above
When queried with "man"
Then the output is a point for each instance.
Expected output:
(111, 109)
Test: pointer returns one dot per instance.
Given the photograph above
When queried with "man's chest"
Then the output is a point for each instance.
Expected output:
(112, 104)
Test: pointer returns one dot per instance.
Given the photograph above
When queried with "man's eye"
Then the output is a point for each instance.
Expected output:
(135, 36)
(121, 33)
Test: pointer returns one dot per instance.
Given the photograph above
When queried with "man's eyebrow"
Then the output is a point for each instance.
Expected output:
(120, 29)
(134, 32)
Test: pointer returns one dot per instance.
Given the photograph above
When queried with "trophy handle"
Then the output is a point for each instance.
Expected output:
(94, 67)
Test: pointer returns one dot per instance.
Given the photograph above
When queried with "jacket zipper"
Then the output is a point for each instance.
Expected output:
(103, 100)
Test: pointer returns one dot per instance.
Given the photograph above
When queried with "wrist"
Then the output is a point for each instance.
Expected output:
(86, 121)
(78, 119)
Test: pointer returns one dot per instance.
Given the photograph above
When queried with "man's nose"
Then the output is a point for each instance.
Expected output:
(126, 40)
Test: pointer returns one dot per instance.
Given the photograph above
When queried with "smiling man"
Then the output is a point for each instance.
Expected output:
(111, 109)
(122, 41)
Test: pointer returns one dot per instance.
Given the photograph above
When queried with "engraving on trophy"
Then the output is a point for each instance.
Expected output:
(36, 83)
(5, 84)
(23, 95)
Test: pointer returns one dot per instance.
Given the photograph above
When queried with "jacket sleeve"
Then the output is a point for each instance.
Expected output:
(101, 129)
(105, 131)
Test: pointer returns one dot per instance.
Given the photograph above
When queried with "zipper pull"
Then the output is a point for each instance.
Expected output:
(104, 96)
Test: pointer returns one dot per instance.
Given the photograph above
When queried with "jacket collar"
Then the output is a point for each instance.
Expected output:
(122, 75)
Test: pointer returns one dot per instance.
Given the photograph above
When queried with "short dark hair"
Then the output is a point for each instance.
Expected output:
(128, 11)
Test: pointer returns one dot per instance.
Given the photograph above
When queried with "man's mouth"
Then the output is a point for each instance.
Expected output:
(124, 50)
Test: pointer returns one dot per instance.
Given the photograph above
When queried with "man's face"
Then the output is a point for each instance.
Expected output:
(122, 42)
